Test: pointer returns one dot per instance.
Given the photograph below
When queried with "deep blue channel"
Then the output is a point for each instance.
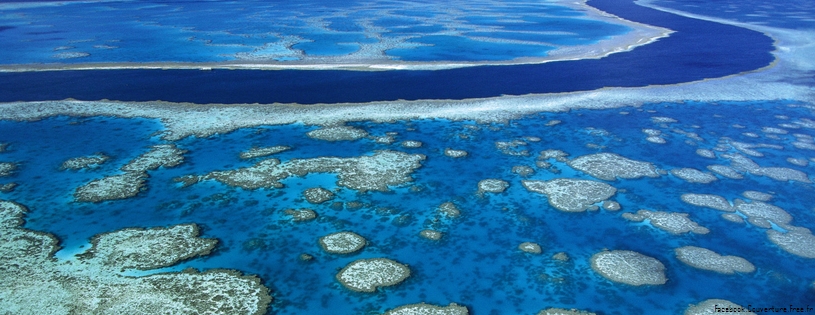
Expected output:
(697, 50)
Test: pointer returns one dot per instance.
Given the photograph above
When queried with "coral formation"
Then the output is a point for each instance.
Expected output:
(366, 275)
(342, 242)
(571, 195)
(337, 133)
(256, 152)
(706, 259)
(492, 185)
(629, 267)
(610, 166)
(671, 222)
(84, 162)
(428, 309)
(318, 195)
(35, 282)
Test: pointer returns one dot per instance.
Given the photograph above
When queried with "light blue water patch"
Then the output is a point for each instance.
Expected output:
(389, 22)
(342, 24)
(428, 13)
(332, 44)
(538, 10)
(568, 40)
(414, 30)
(454, 48)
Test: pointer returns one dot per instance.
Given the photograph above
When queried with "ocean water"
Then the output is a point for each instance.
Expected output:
(477, 262)
(795, 14)
(697, 50)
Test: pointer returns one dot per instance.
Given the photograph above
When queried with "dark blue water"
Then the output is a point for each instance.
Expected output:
(795, 14)
(697, 50)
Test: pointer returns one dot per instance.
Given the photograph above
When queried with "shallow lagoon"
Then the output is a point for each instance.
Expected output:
(476, 263)
(216, 31)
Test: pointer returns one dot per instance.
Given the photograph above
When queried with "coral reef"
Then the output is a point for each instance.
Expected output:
(610, 166)
(34, 282)
(629, 267)
(571, 195)
(706, 259)
(428, 309)
(342, 242)
(366, 275)
(671, 222)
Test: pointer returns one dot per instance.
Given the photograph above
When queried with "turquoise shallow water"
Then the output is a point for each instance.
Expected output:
(477, 262)
(214, 31)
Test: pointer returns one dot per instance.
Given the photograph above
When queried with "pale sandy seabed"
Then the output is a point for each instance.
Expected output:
(640, 34)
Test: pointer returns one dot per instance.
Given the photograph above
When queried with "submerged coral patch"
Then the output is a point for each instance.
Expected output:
(708, 201)
(662, 120)
(34, 282)
(455, 153)
(523, 170)
(733, 217)
(318, 195)
(428, 309)
(629, 267)
(342, 242)
(130, 183)
(375, 172)
(693, 175)
(256, 152)
(7, 168)
(611, 205)
(366, 275)
(797, 241)
(761, 214)
(706, 153)
(432, 235)
(706, 259)
(147, 248)
(449, 209)
(561, 311)
(512, 148)
(530, 247)
(412, 144)
(337, 133)
(798, 161)
(610, 166)
(745, 164)
(725, 171)
(299, 215)
(757, 195)
(84, 162)
(162, 155)
(70, 55)
(708, 307)
(114, 187)
(492, 185)
(671, 222)
(9, 187)
(571, 195)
